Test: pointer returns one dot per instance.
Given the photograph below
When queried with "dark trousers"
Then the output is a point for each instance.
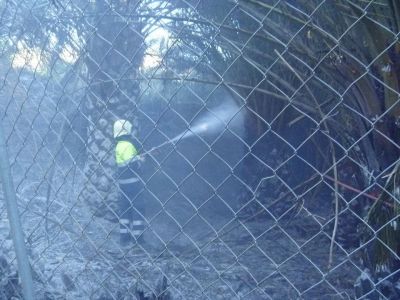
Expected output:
(131, 212)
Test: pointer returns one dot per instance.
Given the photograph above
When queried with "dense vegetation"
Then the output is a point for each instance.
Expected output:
(317, 81)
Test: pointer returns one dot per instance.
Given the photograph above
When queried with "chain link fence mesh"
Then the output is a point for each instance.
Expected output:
(270, 132)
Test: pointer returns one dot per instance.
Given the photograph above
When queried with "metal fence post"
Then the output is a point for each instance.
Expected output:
(14, 219)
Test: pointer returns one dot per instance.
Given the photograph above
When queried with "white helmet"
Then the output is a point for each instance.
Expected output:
(122, 127)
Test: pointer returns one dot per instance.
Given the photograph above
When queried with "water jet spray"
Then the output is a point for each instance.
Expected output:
(214, 121)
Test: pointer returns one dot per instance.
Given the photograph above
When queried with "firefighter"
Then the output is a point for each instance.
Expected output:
(131, 204)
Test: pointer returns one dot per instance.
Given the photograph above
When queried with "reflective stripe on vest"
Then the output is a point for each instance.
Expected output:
(124, 152)
(124, 221)
(128, 180)
(137, 223)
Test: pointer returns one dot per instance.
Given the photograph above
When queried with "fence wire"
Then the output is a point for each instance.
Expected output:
(268, 134)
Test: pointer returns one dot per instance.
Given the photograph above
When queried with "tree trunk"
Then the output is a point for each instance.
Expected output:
(115, 52)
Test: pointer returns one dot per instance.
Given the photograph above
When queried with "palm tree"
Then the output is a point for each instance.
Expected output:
(114, 53)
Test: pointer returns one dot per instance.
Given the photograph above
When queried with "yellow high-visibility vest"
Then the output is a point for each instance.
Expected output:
(124, 152)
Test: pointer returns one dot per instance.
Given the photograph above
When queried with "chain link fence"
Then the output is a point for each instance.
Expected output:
(269, 136)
